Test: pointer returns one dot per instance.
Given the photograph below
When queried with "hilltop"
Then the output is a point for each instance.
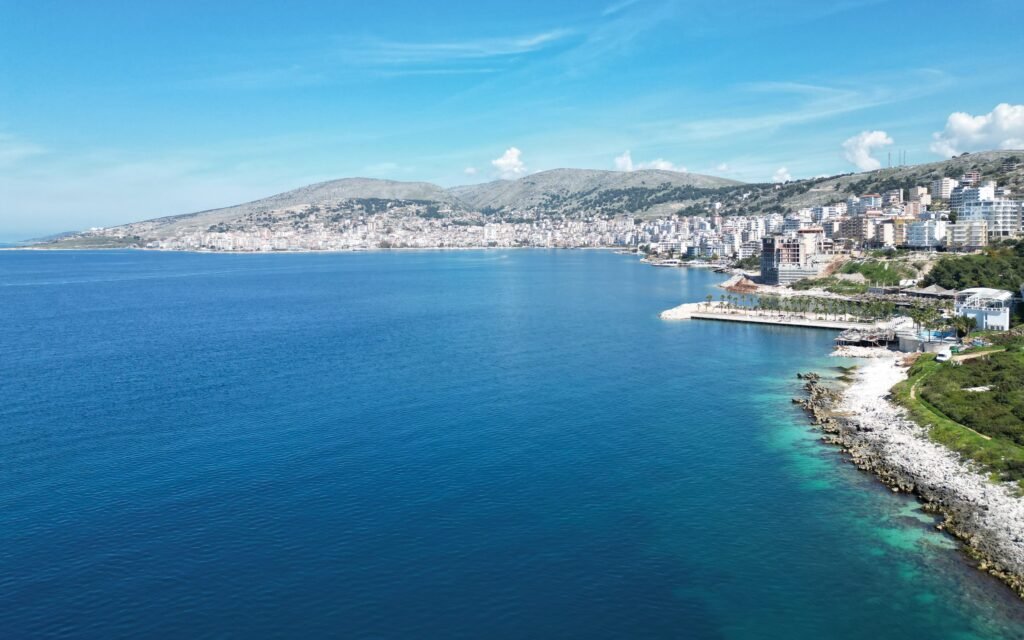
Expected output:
(325, 195)
(576, 191)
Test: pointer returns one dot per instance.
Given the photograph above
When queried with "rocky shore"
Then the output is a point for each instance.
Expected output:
(879, 437)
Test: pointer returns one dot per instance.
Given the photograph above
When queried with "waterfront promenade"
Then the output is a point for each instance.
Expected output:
(718, 311)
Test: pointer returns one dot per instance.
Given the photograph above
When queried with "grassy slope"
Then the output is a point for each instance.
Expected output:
(1000, 454)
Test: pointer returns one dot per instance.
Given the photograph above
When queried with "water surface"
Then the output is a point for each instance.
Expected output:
(498, 444)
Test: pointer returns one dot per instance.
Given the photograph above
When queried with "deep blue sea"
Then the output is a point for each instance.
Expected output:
(492, 444)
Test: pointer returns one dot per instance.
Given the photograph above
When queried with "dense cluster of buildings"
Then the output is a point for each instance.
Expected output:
(956, 215)
(404, 231)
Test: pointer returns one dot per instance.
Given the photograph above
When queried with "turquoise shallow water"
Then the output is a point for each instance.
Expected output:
(467, 444)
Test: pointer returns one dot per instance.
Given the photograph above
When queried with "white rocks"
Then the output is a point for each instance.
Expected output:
(989, 513)
(850, 351)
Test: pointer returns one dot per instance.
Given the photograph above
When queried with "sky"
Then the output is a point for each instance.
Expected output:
(112, 112)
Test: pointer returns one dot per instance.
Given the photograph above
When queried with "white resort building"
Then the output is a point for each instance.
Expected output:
(990, 308)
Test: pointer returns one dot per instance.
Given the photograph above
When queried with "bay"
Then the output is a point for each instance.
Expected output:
(434, 444)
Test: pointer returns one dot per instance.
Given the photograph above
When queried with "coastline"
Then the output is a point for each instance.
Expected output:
(879, 437)
(302, 251)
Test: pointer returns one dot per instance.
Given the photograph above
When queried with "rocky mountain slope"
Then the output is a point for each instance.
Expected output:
(322, 194)
(572, 191)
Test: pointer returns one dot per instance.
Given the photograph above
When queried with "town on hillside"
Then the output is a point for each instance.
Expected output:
(954, 246)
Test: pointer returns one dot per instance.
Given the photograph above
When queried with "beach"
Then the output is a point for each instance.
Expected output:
(881, 438)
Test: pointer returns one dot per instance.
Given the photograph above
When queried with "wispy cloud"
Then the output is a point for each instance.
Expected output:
(618, 7)
(391, 53)
(14, 150)
(814, 102)
(617, 32)
(452, 71)
(330, 64)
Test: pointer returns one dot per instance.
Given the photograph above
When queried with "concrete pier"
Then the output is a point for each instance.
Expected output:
(716, 311)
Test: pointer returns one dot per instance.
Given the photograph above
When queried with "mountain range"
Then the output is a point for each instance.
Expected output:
(578, 193)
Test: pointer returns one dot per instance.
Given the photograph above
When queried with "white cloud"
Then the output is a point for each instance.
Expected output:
(859, 148)
(510, 164)
(625, 163)
(14, 150)
(1001, 128)
(469, 171)
(723, 167)
(782, 175)
(662, 164)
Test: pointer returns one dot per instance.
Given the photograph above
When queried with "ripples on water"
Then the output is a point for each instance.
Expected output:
(465, 444)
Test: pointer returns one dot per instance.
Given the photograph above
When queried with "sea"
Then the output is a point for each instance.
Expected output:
(460, 444)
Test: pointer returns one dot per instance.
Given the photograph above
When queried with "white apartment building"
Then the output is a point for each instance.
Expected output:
(750, 249)
(885, 234)
(892, 197)
(870, 201)
(796, 221)
(963, 195)
(1002, 215)
(926, 234)
(943, 188)
(967, 235)
(920, 195)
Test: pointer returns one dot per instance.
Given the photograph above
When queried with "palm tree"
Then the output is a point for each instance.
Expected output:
(964, 325)
(708, 298)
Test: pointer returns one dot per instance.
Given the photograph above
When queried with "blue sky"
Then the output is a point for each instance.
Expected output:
(118, 111)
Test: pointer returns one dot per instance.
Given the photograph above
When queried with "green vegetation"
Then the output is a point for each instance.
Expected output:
(98, 242)
(1000, 267)
(999, 412)
(985, 426)
(884, 272)
(753, 262)
(888, 252)
(832, 285)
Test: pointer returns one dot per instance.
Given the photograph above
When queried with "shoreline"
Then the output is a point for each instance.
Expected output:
(879, 437)
(304, 251)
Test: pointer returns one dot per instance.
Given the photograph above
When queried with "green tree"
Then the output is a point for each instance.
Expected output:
(964, 325)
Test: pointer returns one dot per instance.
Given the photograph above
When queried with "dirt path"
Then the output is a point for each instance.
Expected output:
(971, 356)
